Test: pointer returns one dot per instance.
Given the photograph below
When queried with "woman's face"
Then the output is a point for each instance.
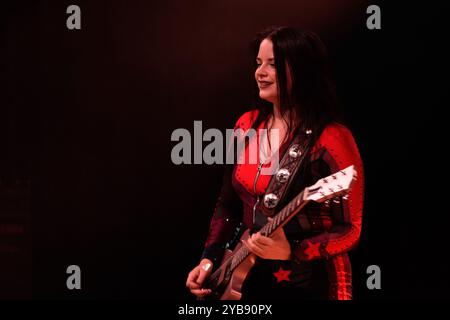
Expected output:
(266, 74)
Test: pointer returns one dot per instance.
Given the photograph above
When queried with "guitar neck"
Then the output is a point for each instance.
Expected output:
(279, 220)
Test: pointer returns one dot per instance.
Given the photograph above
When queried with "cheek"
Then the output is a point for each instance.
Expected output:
(273, 75)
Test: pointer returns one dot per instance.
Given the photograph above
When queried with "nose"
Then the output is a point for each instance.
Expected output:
(261, 72)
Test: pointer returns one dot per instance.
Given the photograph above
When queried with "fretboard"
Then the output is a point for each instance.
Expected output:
(280, 219)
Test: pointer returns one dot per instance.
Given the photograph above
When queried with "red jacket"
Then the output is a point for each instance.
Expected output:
(322, 232)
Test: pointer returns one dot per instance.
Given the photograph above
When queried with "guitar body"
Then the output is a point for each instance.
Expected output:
(228, 281)
(233, 289)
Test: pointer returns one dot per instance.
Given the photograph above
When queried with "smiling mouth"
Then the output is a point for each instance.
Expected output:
(264, 84)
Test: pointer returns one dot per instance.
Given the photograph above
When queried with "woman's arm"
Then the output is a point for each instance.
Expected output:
(229, 207)
(336, 150)
(226, 217)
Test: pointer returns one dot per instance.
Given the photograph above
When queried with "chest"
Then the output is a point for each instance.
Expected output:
(257, 162)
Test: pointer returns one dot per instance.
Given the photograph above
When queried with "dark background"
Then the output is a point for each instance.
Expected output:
(86, 118)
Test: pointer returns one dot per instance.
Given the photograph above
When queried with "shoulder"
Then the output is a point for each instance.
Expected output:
(336, 135)
(338, 141)
(246, 120)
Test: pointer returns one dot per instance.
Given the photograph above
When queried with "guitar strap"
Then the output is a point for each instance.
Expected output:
(279, 182)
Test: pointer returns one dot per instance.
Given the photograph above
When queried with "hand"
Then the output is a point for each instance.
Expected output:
(275, 247)
(197, 277)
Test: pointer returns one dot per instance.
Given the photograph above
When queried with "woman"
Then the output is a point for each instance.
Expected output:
(308, 257)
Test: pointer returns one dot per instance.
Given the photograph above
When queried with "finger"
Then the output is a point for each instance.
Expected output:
(192, 281)
(279, 234)
(248, 244)
(257, 243)
(202, 276)
(193, 285)
(192, 276)
(201, 292)
(254, 248)
(263, 241)
(252, 243)
(256, 236)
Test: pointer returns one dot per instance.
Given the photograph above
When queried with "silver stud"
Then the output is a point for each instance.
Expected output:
(283, 175)
(308, 132)
(294, 151)
(270, 200)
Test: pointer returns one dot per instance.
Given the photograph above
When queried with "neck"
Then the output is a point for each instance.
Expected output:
(277, 111)
(289, 114)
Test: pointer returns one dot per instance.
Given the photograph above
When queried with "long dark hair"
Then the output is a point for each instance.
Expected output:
(313, 101)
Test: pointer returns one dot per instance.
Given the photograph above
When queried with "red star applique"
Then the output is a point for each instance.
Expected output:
(282, 275)
(312, 249)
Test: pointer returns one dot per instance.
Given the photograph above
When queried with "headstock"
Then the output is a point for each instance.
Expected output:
(334, 185)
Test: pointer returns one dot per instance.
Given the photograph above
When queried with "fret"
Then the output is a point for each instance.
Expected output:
(277, 220)
(296, 201)
(285, 214)
(293, 206)
(233, 261)
(269, 228)
(288, 208)
(281, 218)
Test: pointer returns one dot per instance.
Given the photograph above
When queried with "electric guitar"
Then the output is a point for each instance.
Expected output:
(226, 281)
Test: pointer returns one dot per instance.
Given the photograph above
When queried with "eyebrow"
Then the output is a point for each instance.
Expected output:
(270, 59)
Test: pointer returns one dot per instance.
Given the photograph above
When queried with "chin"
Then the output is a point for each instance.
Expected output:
(267, 97)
